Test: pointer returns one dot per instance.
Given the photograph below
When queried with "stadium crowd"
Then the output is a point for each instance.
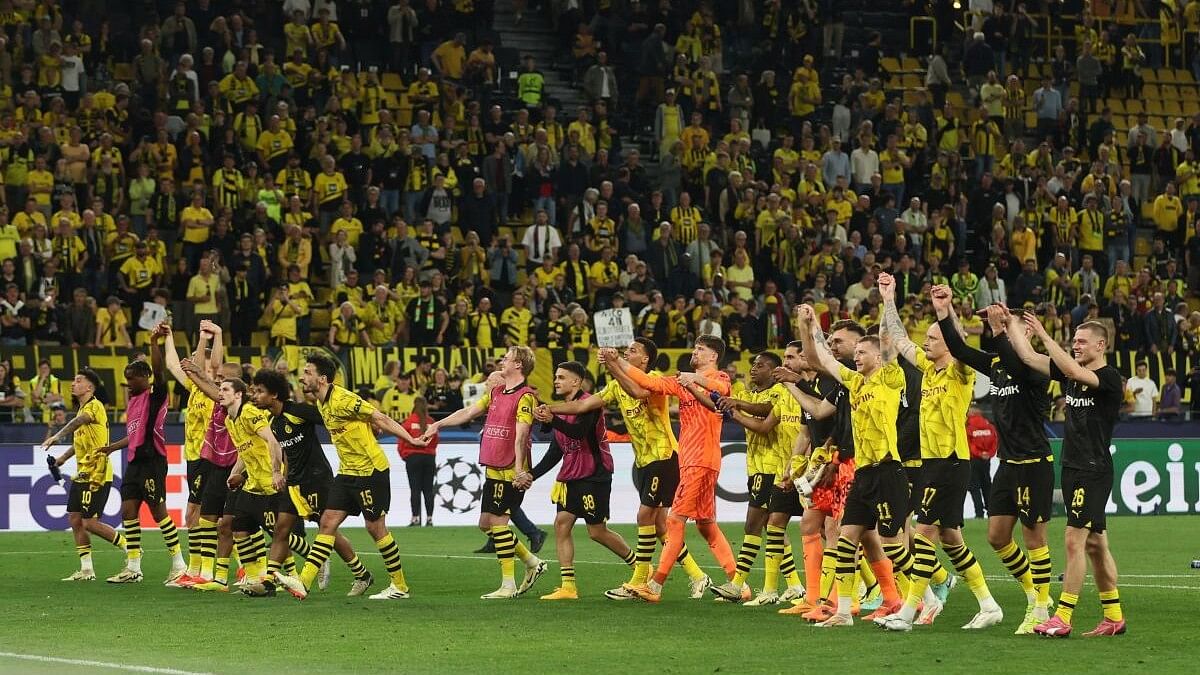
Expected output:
(366, 173)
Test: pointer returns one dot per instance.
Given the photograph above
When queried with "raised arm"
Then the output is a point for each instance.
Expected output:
(196, 374)
(1066, 363)
(1020, 344)
(216, 357)
(157, 363)
(952, 334)
(172, 357)
(814, 343)
(893, 337)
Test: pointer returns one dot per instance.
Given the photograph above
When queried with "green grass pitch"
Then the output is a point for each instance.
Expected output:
(445, 627)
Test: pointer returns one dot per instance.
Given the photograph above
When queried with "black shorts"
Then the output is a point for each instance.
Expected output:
(657, 482)
(915, 483)
(145, 480)
(251, 511)
(195, 479)
(785, 501)
(307, 500)
(1085, 494)
(500, 497)
(216, 488)
(759, 485)
(944, 492)
(369, 495)
(877, 499)
(586, 499)
(1024, 491)
(88, 499)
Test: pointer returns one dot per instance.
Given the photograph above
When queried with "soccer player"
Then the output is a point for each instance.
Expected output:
(308, 477)
(584, 482)
(145, 479)
(195, 423)
(218, 455)
(772, 419)
(1023, 488)
(504, 452)
(362, 484)
(878, 495)
(253, 481)
(946, 392)
(829, 474)
(699, 457)
(655, 457)
(1094, 394)
(93, 476)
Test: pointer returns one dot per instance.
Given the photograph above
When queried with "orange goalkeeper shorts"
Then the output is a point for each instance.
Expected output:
(696, 496)
(831, 498)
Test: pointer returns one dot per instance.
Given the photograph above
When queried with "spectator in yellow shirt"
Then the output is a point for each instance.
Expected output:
(1167, 210)
(197, 222)
(450, 57)
(138, 274)
(296, 249)
(238, 87)
(327, 36)
(40, 184)
(112, 326)
(281, 314)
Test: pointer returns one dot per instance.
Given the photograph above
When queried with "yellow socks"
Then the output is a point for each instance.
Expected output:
(391, 560)
(322, 546)
(643, 555)
(1110, 601)
(1066, 606)
(506, 545)
(1040, 569)
(751, 545)
(1018, 566)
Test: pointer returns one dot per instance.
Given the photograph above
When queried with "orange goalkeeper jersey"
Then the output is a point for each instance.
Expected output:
(699, 427)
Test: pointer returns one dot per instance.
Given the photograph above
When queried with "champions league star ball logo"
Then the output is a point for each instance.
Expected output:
(459, 485)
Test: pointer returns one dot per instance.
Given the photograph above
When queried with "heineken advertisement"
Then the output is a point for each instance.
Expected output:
(1153, 475)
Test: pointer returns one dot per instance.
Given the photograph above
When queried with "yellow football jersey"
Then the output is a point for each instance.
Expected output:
(195, 421)
(252, 449)
(760, 448)
(348, 419)
(92, 466)
(945, 396)
(791, 418)
(874, 406)
(648, 422)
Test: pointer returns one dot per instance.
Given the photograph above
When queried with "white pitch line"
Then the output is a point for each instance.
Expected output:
(96, 664)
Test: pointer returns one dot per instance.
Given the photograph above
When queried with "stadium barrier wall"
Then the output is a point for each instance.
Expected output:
(1151, 476)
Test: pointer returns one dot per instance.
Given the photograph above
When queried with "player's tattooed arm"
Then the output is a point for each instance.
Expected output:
(814, 342)
(68, 429)
(893, 337)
